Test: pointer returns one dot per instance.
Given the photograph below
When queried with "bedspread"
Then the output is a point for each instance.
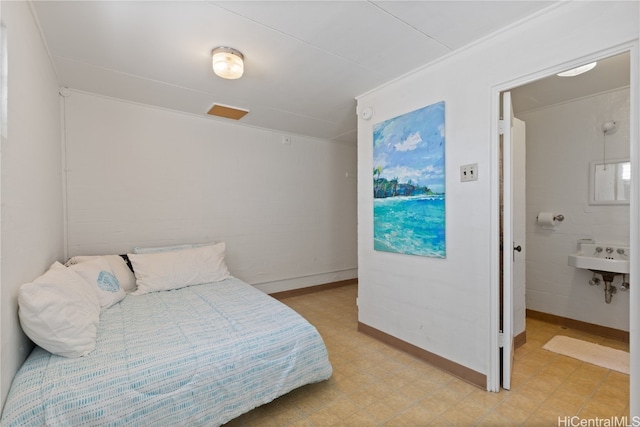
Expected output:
(200, 355)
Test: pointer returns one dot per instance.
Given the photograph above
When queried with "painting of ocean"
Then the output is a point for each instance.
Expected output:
(409, 183)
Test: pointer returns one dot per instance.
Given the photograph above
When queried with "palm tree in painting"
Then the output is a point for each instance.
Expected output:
(394, 187)
(376, 181)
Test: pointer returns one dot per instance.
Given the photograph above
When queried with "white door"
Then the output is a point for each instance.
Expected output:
(518, 221)
(513, 250)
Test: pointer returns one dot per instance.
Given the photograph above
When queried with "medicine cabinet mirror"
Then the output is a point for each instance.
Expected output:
(610, 182)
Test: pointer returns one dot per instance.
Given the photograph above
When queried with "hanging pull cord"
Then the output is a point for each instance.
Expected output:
(604, 149)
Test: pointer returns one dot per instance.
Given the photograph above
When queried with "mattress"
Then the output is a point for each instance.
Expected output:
(199, 355)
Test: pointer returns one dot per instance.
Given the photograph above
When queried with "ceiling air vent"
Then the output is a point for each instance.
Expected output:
(227, 112)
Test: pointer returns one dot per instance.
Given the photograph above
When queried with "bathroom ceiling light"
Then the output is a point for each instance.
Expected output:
(228, 63)
(578, 70)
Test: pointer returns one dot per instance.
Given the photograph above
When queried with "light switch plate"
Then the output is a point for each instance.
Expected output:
(469, 172)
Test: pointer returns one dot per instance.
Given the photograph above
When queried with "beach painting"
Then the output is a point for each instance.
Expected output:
(409, 183)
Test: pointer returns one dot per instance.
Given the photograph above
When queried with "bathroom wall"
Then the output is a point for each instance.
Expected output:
(561, 141)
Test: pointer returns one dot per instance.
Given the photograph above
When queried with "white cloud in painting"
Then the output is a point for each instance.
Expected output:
(380, 160)
(431, 176)
(409, 144)
(431, 170)
(403, 173)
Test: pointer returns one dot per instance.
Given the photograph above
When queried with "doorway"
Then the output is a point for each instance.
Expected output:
(566, 136)
(573, 170)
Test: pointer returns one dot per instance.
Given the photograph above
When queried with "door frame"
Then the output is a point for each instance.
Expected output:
(493, 371)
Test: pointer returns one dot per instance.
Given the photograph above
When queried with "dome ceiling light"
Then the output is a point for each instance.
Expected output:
(228, 63)
(578, 70)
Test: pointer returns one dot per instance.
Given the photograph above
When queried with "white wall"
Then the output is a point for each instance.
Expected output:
(141, 176)
(561, 141)
(31, 227)
(444, 306)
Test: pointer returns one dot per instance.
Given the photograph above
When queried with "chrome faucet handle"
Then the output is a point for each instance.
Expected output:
(598, 250)
(621, 251)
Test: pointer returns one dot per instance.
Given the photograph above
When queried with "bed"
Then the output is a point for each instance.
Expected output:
(201, 354)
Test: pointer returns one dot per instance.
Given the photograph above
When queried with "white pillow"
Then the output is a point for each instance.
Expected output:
(98, 273)
(60, 312)
(163, 271)
(118, 266)
(139, 250)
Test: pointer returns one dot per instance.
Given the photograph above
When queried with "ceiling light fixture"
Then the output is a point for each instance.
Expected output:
(228, 63)
(578, 70)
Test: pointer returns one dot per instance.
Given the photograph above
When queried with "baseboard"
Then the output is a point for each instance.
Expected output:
(520, 340)
(312, 289)
(455, 369)
(282, 285)
(601, 331)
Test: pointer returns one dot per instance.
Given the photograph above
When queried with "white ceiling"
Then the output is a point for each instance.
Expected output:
(305, 61)
(609, 74)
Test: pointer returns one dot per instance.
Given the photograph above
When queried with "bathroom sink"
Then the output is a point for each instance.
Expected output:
(599, 264)
(601, 257)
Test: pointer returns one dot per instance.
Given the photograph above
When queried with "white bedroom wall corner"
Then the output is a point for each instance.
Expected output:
(64, 93)
(31, 222)
(3, 135)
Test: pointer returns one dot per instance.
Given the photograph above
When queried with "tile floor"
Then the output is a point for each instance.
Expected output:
(376, 385)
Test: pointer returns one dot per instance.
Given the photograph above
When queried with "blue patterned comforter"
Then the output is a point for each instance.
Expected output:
(200, 355)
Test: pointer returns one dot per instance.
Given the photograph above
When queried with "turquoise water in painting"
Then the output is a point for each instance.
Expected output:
(410, 225)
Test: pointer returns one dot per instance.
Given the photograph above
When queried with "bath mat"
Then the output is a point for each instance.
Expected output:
(607, 357)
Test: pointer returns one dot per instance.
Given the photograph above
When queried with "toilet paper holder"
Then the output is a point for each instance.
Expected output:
(558, 217)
